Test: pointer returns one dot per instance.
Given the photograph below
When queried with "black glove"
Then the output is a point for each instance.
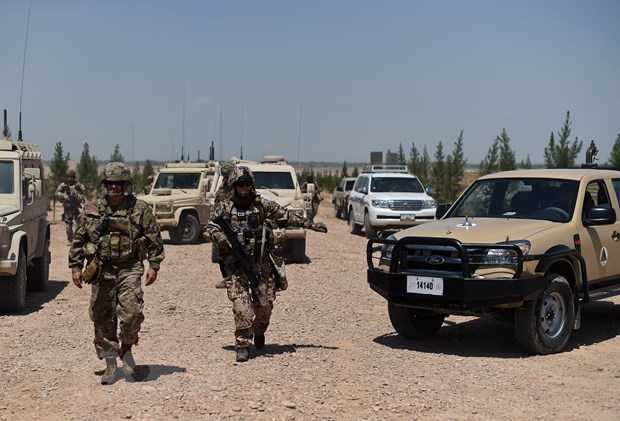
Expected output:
(318, 227)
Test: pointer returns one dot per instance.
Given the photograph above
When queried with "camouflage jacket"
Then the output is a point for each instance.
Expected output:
(71, 195)
(129, 233)
(248, 224)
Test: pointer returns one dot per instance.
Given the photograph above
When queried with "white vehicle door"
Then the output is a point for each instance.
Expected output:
(360, 190)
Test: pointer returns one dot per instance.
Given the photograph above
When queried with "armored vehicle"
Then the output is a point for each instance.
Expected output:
(529, 246)
(182, 197)
(24, 229)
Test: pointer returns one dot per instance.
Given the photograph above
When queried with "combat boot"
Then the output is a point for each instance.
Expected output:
(259, 340)
(221, 284)
(110, 371)
(129, 364)
(243, 354)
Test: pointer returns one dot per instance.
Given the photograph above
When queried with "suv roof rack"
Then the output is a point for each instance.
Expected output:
(386, 168)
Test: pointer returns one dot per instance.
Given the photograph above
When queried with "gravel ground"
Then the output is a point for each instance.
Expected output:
(331, 353)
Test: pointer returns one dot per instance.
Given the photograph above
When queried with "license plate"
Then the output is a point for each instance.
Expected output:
(407, 217)
(424, 285)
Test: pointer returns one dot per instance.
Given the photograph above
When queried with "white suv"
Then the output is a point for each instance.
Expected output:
(386, 197)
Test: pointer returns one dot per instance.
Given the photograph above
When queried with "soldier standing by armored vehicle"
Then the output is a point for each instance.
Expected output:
(317, 195)
(115, 234)
(240, 228)
(72, 196)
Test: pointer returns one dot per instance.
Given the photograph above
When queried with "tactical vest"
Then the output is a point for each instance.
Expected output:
(249, 224)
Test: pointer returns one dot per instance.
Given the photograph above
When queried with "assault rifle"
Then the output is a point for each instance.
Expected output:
(236, 251)
(74, 201)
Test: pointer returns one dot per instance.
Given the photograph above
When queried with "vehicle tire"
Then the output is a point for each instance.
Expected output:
(543, 326)
(353, 227)
(39, 273)
(412, 323)
(368, 228)
(338, 211)
(296, 250)
(345, 212)
(187, 231)
(13, 288)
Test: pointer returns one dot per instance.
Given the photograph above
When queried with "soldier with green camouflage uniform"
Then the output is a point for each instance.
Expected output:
(240, 228)
(115, 234)
(72, 196)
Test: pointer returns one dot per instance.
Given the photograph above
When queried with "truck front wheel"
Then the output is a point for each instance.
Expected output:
(188, 230)
(13, 289)
(543, 326)
(412, 323)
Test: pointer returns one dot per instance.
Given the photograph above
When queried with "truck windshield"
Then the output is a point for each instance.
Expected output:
(274, 180)
(396, 185)
(524, 198)
(7, 186)
(177, 181)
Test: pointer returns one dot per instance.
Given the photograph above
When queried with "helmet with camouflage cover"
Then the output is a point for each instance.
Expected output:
(239, 175)
(70, 173)
(225, 169)
(116, 171)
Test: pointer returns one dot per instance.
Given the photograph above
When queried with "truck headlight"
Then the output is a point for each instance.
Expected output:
(164, 208)
(378, 203)
(429, 204)
(505, 256)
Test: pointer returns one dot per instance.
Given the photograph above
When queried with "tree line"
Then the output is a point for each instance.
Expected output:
(444, 174)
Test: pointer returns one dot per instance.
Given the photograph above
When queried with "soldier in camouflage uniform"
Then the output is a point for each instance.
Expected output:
(115, 234)
(224, 194)
(72, 196)
(253, 273)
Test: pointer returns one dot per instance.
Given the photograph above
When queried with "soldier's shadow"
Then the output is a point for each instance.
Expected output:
(146, 373)
(271, 350)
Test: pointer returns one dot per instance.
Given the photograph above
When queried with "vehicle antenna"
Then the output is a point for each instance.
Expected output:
(299, 138)
(21, 94)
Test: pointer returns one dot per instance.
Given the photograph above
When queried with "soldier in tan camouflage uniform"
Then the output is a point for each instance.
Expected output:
(115, 234)
(72, 196)
(224, 194)
(240, 228)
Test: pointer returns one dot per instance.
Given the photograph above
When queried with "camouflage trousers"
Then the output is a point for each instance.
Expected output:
(69, 216)
(117, 302)
(252, 307)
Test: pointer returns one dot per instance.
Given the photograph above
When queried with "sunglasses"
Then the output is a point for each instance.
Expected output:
(114, 183)
(244, 184)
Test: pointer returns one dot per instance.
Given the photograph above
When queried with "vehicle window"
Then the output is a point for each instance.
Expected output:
(616, 184)
(274, 180)
(349, 184)
(548, 199)
(396, 184)
(177, 181)
(361, 184)
(6, 177)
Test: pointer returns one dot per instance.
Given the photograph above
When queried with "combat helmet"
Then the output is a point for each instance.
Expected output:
(116, 171)
(70, 173)
(239, 175)
(225, 169)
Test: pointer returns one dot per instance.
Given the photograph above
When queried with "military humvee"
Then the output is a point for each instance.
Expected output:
(24, 229)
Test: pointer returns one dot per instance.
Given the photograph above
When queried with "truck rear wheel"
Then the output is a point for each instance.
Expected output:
(543, 326)
(13, 289)
(412, 323)
(297, 250)
(39, 273)
(353, 227)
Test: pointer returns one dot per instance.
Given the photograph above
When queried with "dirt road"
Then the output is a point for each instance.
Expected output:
(331, 353)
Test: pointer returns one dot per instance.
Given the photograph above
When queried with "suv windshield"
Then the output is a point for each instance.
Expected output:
(177, 181)
(527, 198)
(396, 184)
(273, 180)
(6, 177)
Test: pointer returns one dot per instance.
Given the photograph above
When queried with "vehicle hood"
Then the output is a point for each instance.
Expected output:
(284, 201)
(482, 230)
(398, 196)
(172, 197)
(9, 211)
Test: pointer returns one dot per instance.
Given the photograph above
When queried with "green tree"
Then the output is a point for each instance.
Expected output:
(401, 155)
(562, 153)
(117, 156)
(414, 160)
(456, 170)
(344, 171)
(527, 164)
(355, 172)
(437, 174)
(614, 157)
(58, 169)
(88, 172)
(138, 178)
(424, 170)
(507, 160)
(490, 163)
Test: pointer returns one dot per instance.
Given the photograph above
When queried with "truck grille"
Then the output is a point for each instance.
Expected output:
(406, 205)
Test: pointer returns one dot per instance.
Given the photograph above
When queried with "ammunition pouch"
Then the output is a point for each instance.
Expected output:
(116, 247)
(93, 270)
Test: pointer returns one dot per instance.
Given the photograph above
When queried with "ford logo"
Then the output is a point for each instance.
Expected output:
(435, 260)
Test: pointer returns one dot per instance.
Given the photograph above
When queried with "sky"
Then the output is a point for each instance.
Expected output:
(320, 80)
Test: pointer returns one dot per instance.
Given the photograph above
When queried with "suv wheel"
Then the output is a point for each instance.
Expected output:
(13, 288)
(368, 228)
(412, 323)
(188, 230)
(38, 275)
(353, 227)
(543, 326)
(338, 211)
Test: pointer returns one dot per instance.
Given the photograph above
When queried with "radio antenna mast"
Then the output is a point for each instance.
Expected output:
(299, 138)
(21, 93)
